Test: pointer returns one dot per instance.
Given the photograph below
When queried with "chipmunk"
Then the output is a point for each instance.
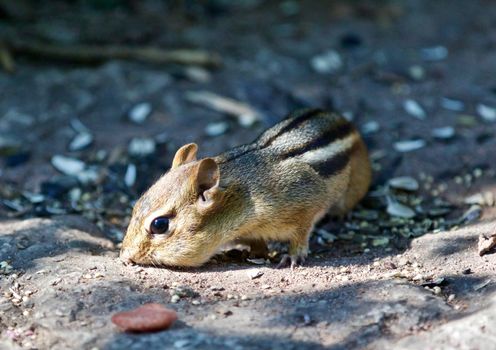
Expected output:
(275, 188)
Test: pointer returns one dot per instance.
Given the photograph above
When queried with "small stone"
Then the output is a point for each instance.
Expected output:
(34, 198)
(440, 281)
(451, 297)
(472, 214)
(477, 198)
(216, 129)
(443, 133)
(259, 261)
(146, 318)
(182, 343)
(175, 299)
(255, 273)
(406, 183)
(380, 241)
(435, 53)
(416, 72)
(67, 165)
(486, 243)
(486, 112)
(88, 176)
(79, 127)
(197, 74)
(437, 290)
(452, 105)
(413, 108)
(141, 147)
(467, 271)
(409, 145)
(327, 62)
(327, 236)
(130, 176)
(370, 127)
(399, 210)
(139, 113)
(80, 142)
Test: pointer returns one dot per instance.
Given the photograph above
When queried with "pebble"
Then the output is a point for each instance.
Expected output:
(216, 129)
(451, 297)
(175, 299)
(443, 133)
(452, 105)
(80, 142)
(370, 127)
(472, 214)
(197, 74)
(416, 72)
(259, 261)
(140, 112)
(79, 127)
(409, 145)
(327, 62)
(437, 290)
(255, 273)
(141, 147)
(88, 176)
(399, 210)
(406, 183)
(327, 236)
(67, 165)
(486, 112)
(146, 318)
(179, 344)
(477, 198)
(413, 108)
(130, 176)
(34, 198)
(380, 241)
(435, 53)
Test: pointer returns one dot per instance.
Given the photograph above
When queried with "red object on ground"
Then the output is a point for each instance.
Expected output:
(146, 318)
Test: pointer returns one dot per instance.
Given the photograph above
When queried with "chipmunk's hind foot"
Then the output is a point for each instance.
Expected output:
(291, 260)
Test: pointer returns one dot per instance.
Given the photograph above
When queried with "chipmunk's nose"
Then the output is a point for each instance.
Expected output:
(126, 256)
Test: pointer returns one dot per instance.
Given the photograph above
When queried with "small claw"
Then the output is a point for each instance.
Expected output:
(293, 260)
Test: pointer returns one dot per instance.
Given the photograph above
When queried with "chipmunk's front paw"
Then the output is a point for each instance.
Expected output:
(291, 260)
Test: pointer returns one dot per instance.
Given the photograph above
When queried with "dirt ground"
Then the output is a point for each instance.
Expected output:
(402, 71)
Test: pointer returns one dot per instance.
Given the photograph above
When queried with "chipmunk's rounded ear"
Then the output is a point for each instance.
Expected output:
(207, 181)
(185, 154)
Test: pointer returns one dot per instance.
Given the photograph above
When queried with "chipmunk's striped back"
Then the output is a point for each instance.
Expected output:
(324, 141)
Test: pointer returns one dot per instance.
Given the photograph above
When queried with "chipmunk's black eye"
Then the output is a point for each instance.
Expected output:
(159, 225)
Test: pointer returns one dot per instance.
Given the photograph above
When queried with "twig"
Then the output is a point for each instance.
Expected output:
(245, 114)
(88, 54)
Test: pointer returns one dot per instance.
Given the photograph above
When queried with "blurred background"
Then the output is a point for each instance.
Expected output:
(96, 95)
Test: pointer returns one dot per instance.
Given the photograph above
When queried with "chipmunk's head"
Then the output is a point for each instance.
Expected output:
(173, 223)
